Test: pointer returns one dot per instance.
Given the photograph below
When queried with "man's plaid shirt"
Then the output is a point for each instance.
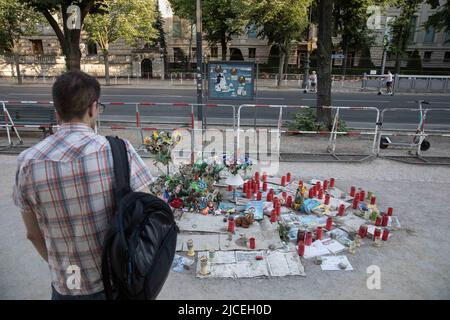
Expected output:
(66, 180)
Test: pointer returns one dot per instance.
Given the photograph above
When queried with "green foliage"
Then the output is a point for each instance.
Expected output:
(305, 120)
(131, 20)
(16, 20)
(280, 21)
(440, 20)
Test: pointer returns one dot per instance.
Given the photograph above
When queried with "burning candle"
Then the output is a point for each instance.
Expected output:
(264, 177)
(390, 211)
(377, 233)
(320, 194)
(331, 182)
(283, 181)
(252, 243)
(301, 233)
(373, 200)
(310, 193)
(378, 221)
(289, 201)
(284, 194)
(273, 216)
(319, 233)
(352, 191)
(362, 231)
(385, 220)
(231, 225)
(269, 197)
(385, 235)
(256, 175)
(288, 177)
(318, 185)
(308, 240)
(259, 196)
(264, 186)
(329, 224)
(341, 211)
(249, 193)
(327, 199)
(362, 196)
(355, 203)
(301, 248)
(325, 185)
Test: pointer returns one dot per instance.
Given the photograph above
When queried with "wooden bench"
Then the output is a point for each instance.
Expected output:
(33, 116)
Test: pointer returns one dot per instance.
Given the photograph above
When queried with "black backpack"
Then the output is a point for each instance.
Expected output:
(140, 244)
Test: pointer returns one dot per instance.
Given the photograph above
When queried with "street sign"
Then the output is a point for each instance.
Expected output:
(231, 80)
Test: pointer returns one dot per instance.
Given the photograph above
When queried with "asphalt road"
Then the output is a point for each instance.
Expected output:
(222, 115)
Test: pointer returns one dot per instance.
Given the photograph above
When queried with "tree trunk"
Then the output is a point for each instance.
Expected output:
(223, 44)
(71, 43)
(324, 47)
(106, 62)
(281, 67)
(345, 60)
(17, 64)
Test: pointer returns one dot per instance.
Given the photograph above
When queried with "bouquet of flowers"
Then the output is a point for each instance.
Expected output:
(161, 145)
(235, 164)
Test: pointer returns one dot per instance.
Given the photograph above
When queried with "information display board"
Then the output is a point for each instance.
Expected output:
(231, 80)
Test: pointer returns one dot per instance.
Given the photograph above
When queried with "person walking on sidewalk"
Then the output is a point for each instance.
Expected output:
(313, 81)
(64, 188)
(389, 81)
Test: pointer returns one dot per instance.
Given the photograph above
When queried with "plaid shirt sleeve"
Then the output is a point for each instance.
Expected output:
(140, 176)
(21, 187)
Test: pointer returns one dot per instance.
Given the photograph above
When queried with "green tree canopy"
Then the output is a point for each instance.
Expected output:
(131, 20)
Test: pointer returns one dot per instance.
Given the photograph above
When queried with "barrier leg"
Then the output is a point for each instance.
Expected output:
(6, 124)
(192, 135)
(333, 134)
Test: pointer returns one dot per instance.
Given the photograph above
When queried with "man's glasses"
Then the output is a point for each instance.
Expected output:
(101, 107)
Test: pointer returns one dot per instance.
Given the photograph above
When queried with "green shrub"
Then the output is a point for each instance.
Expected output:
(305, 120)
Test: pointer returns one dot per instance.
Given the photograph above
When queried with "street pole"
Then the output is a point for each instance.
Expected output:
(199, 62)
(306, 71)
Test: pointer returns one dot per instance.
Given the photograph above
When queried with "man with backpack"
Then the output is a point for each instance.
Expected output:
(65, 188)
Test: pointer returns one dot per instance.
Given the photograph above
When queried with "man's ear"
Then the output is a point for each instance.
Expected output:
(91, 109)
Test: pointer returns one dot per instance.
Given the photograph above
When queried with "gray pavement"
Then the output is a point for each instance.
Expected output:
(414, 263)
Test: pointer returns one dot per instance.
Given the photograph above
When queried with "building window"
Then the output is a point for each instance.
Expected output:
(447, 56)
(427, 56)
(37, 46)
(214, 52)
(176, 27)
(447, 36)
(178, 55)
(429, 35)
(92, 48)
(412, 29)
(251, 52)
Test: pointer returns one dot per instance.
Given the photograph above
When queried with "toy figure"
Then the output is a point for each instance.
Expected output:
(298, 200)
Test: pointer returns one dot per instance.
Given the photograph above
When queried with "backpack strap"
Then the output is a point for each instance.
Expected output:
(121, 167)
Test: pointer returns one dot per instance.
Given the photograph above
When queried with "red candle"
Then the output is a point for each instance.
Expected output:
(389, 212)
(269, 196)
(378, 221)
(231, 225)
(275, 201)
(308, 240)
(329, 224)
(257, 185)
(230, 188)
(310, 193)
(259, 196)
(272, 191)
(256, 175)
(362, 231)
(264, 186)
(273, 216)
(325, 185)
(341, 211)
(318, 185)
(373, 200)
(327, 199)
(385, 220)
(244, 187)
(319, 233)
(284, 194)
(301, 248)
(289, 201)
(352, 191)
(385, 235)
(320, 194)
(252, 243)
(355, 203)
(283, 181)
(377, 233)
(264, 177)
(331, 182)
(249, 193)
(277, 209)
(362, 196)
(288, 177)
(300, 184)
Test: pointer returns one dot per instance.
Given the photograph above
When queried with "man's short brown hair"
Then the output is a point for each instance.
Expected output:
(73, 93)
